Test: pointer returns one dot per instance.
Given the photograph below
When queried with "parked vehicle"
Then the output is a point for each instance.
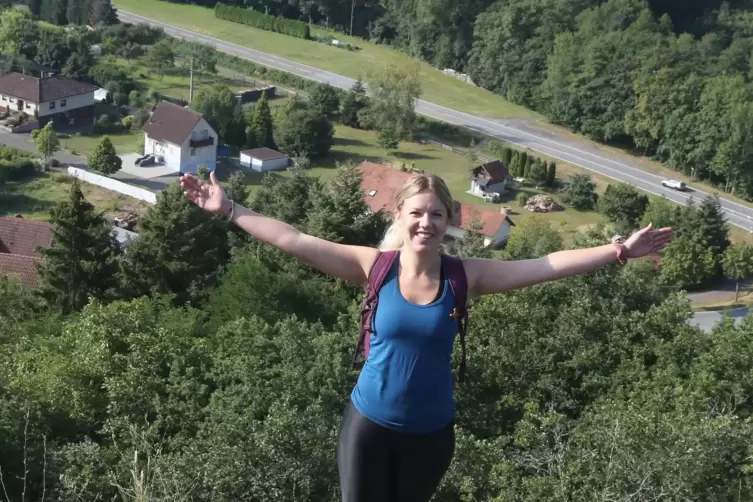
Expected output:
(674, 184)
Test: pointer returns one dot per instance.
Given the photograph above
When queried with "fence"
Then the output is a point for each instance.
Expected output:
(114, 185)
(459, 151)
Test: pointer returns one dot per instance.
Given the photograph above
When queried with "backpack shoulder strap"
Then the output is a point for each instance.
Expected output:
(455, 273)
(377, 274)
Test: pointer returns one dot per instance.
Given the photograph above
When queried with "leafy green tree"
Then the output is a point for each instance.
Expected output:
(52, 49)
(580, 192)
(104, 158)
(688, 264)
(305, 132)
(324, 99)
(103, 13)
(471, 156)
(160, 58)
(393, 94)
(387, 138)
(217, 105)
(17, 29)
(261, 124)
(661, 212)
(82, 262)
(190, 244)
(737, 264)
(623, 204)
(236, 188)
(46, 142)
(532, 238)
(287, 199)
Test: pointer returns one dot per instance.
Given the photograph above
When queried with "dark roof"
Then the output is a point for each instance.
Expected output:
(36, 90)
(23, 267)
(495, 170)
(264, 153)
(171, 122)
(21, 237)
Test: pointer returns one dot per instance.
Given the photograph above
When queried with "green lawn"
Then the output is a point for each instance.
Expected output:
(34, 197)
(357, 146)
(436, 87)
(84, 145)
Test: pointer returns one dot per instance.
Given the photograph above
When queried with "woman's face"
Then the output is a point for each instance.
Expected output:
(424, 221)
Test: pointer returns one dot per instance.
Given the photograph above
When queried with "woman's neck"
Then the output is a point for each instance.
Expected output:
(419, 264)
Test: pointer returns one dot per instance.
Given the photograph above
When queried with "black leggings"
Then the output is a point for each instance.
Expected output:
(377, 464)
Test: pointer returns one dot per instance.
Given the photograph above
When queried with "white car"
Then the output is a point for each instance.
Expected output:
(677, 185)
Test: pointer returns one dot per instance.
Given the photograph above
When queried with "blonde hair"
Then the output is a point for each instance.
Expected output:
(393, 237)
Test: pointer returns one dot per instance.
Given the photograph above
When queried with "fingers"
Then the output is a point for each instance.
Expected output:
(213, 179)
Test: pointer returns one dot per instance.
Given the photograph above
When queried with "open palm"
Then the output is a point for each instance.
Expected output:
(647, 241)
(208, 196)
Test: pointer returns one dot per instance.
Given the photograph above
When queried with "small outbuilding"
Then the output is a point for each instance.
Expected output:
(264, 159)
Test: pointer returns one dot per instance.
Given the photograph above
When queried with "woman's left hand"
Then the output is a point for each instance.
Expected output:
(647, 241)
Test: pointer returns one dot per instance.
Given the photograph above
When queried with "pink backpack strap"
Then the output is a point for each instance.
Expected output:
(378, 273)
(455, 273)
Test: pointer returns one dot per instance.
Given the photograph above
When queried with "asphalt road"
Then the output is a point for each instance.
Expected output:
(707, 320)
(513, 131)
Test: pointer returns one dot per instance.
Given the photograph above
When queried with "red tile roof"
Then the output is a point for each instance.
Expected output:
(379, 184)
(19, 236)
(23, 267)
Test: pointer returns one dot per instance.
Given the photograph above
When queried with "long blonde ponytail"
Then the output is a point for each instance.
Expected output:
(393, 237)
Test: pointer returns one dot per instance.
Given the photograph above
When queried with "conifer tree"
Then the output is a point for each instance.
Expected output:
(180, 250)
(261, 124)
(82, 261)
(712, 229)
(551, 174)
(472, 245)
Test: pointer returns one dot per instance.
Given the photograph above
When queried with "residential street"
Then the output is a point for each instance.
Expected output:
(514, 131)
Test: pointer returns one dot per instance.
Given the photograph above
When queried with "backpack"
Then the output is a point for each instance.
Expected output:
(455, 273)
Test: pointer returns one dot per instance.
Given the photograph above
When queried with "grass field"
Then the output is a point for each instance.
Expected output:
(34, 197)
(357, 145)
(436, 87)
(84, 145)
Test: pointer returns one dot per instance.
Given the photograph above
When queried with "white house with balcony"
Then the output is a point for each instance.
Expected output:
(180, 138)
(61, 100)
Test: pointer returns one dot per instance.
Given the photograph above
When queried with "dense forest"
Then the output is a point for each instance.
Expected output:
(668, 78)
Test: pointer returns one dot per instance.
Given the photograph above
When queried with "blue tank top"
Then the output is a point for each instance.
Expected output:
(406, 383)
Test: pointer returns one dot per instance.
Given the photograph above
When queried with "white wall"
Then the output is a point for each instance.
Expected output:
(264, 166)
(114, 185)
(12, 103)
(169, 151)
(204, 155)
(71, 103)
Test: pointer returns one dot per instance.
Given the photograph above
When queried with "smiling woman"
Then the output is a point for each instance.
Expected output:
(397, 435)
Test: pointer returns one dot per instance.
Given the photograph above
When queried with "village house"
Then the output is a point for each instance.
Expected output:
(19, 239)
(55, 98)
(489, 179)
(180, 138)
(379, 184)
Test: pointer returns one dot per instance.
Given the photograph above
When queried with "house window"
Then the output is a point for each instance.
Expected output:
(193, 152)
(63, 102)
(5, 98)
(28, 105)
(193, 135)
(52, 105)
(204, 133)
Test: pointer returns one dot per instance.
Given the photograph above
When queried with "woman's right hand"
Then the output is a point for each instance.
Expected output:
(210, 197)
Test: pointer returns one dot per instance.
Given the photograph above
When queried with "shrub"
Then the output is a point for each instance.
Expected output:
(262, 21)
(522, 199)
(105, 125)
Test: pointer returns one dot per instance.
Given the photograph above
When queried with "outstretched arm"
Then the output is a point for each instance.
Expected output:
(496, 276)
(351, 263)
